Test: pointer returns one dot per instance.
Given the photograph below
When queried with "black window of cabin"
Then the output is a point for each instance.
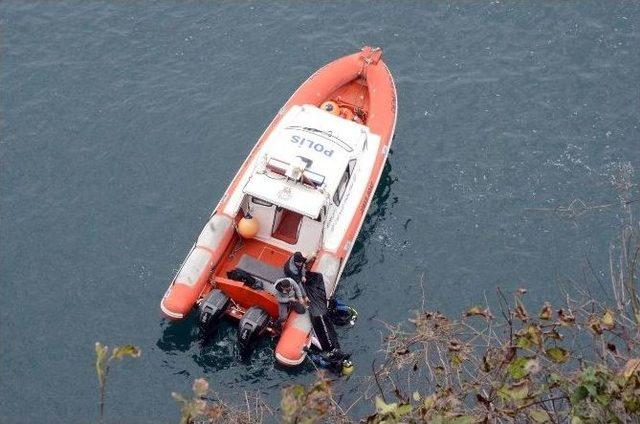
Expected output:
(342, 186)
(261, 202)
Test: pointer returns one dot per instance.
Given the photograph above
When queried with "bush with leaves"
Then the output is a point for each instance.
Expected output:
(103, 364)
(312, 404)
(521, 368)
(578, 363)
(206, 406)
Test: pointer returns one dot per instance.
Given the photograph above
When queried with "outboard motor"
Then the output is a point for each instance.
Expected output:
(211, 310)
(252, 323)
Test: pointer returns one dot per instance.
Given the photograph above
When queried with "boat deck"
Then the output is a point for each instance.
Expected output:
(257, 249)
(242, 295)
(354, 94)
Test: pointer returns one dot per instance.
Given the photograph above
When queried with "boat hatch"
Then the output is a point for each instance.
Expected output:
(286, 226)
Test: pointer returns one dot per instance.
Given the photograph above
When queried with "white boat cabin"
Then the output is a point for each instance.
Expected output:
(307, 180)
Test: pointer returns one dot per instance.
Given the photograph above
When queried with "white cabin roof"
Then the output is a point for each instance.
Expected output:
(326, 143)
(296, 197)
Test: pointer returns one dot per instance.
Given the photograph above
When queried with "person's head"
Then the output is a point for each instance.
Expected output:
(298, 259)
(283, 285)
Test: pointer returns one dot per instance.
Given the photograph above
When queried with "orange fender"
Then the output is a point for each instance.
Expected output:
(295, 337)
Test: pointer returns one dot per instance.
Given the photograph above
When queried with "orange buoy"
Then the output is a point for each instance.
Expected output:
(346, 113)
(331, 107)
(248, 226)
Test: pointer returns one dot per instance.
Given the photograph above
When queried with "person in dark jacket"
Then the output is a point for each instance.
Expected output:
(295, 267)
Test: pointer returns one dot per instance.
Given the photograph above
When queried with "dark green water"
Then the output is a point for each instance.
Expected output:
(123, 124)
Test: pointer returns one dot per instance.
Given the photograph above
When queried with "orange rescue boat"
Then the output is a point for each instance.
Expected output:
(305, 187)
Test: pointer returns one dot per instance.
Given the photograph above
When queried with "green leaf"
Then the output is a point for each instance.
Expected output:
(522, 367)
(603, 399)
(478, 311)
(539, 415)
(429, 402)
(288, 404)
(393, 409)
(588, 375)
(535, 334)
(298, 391)
(385, 408)
(593, 391)
(558, 355)
(595, 325)
(456, 361)
(523, 342)
(530, 335)
(579, 394)
(120, 352)
(631, 403)
(515, 392)
(608, 320)
(403, 409)
(517, 368)
(555, 378)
